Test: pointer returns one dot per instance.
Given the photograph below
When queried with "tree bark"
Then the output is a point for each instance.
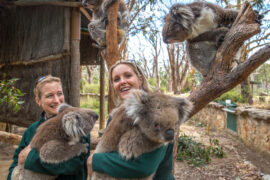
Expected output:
(221, 78)
(112, 53)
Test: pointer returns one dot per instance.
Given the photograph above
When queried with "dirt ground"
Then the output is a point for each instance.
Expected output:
(240, 162)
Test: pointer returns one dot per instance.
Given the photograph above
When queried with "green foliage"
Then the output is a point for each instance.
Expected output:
(93, 103)
(9, 94)
(91, 88)
(152, 82)
(233, 95)
(195, 153)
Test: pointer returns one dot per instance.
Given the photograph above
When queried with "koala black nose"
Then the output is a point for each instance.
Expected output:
(169, 135)
(96, 117)
(165, 40)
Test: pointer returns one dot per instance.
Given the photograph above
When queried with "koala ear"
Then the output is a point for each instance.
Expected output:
(72, 124)
(134, 104)
(62, 107)
(182, 14)
(184, 108)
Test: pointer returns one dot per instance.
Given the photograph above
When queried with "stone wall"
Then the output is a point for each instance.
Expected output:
(213, 115)
(253, 125)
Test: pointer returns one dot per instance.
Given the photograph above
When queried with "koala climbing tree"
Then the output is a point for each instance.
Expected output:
(220, 77)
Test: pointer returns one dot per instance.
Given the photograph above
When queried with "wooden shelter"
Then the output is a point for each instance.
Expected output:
(39, 38)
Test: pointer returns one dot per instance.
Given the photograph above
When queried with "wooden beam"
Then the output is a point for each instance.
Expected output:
(75, 57)
(41, 3)
(85, 13)
(10, 138)
(102, 94)
(34, 61)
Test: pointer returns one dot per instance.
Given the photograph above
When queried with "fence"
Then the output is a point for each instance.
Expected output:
(250, 124)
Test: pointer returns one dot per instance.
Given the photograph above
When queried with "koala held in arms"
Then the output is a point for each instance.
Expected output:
(97, 26)
(58, 139)
(142, 123)
(204, 26)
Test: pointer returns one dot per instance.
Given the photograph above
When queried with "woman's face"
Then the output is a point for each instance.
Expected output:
(124, 79)
(51, 97)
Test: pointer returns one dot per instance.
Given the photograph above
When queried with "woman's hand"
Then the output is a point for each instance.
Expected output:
(89, 165)
(23, 154)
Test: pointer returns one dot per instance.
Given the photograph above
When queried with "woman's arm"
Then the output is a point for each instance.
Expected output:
(69, 167)
(114, 165)
(23, 144)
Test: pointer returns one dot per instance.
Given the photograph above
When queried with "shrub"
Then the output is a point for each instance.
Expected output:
(232, 95)
(93, 103)
(91, 88)
(197, 154)
(9, 94)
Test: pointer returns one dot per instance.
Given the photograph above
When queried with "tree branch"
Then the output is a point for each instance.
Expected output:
(243, 28)
(221, 79)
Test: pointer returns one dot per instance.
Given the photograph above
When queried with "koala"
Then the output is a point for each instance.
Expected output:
(58, 139)
(97, 26)
(203, 25)
(142, 123)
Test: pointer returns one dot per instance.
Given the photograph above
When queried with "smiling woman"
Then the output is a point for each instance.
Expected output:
(48, 95)
(124, 76)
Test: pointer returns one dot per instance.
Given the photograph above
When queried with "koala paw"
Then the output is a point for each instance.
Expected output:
(126, 154)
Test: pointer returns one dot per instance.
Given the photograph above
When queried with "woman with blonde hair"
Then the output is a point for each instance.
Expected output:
(48, 95)
(123, 77)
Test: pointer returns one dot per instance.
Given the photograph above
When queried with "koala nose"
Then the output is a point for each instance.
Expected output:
(165, 40)
(96, 116)
(169, 135)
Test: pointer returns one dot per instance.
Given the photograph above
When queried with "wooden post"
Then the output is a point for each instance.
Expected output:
(102, 94)
(75, 58)
(112, 52)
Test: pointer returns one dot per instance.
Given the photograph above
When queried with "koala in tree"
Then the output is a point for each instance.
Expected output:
(97, 26)
(204, 26)
(58, 139)
(144, 122)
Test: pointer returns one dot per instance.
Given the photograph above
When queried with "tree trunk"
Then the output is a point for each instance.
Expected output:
(157, 87)
(246, 91)
(183, 75)
(90, 70)
(170, 50)
(112, 53)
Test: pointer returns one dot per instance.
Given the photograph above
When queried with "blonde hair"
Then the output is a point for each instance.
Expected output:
(42, 81)
(137, 70)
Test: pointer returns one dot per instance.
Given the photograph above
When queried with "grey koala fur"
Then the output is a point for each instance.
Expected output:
(204, 26)
(144, 122)
(99, 21)
(58, 139)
